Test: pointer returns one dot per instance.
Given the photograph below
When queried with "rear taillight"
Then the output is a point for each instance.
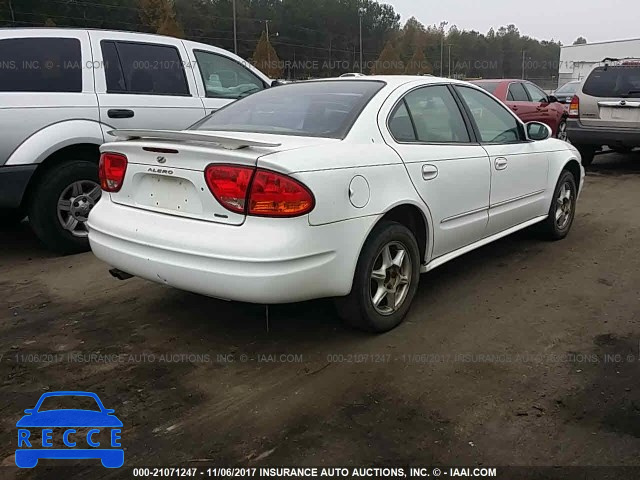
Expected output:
(229, 184)
(574, 107)
(111, 171)
(258, 192)
(276, 195)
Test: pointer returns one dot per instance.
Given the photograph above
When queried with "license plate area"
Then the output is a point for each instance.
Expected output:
(175, 194)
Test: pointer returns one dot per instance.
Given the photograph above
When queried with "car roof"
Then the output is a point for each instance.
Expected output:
(394, 80)
(80, 29)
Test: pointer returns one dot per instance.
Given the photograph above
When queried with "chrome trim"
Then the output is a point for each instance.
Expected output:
(619, 104)
(522, 197)
(465, 214)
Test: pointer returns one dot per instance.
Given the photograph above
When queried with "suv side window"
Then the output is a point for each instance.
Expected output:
(224, 77)
(494, 122)
(40, 65)
(433, 115)
(517, 93)
(535, 93)
(143, 68)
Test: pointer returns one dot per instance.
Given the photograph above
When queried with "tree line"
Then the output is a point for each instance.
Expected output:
(309, 38)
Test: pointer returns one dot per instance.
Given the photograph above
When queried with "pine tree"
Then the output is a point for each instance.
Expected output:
(160, 15)
(389, 62)
(417, 64)
(266, 59)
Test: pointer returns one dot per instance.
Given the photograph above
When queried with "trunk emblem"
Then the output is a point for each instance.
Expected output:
(161, 159)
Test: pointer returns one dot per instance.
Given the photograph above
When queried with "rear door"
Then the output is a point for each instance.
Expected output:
(611, 97)
(448, 168)
(519, 167)
(222, 77)
(520, 103)
(143, 82)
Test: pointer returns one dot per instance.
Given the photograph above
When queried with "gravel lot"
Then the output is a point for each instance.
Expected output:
(520, 353)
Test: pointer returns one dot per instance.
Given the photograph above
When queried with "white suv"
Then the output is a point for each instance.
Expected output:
(63, 90)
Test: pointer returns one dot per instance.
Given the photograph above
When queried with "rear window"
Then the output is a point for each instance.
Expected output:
(316, 109)
(490, 87)
(40, 65)
(621, 81)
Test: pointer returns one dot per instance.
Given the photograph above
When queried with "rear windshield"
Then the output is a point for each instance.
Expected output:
(622, 81)
(490, 87)
(568, 88)
(316, 109)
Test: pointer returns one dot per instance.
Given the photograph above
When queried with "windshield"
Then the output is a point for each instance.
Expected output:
(621, 81)
(568, 88)
(490, 87)
(316, 109)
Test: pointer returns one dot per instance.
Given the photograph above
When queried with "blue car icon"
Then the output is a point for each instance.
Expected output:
(29, 452)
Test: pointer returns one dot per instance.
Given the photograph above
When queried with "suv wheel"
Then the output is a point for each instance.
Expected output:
(61, 203)
(587, 153)
(385, 281)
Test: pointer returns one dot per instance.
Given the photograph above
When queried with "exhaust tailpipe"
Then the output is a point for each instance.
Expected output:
(119, 274)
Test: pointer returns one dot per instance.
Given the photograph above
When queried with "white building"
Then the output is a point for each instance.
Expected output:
(576, 61)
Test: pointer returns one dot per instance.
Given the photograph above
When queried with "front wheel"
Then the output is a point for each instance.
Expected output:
(563, 208)
(385, 281)
(561, 134)
(61, 203)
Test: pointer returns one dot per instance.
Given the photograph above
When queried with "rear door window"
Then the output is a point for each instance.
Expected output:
(618, 81)
(517, 93)
(40, 65)
(144, 68)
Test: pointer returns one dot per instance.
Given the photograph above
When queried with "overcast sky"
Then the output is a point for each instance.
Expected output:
(564, 20)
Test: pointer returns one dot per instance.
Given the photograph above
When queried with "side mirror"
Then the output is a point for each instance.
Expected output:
(538, 131)
(552, 99)
(276, 83)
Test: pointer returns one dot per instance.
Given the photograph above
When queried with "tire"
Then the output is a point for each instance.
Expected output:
(561, 133)
(357, 309)
(554, 228)
(10, 217)
(622, 150)
(44, 216)
(587, 153)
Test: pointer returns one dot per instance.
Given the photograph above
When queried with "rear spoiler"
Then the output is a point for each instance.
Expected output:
(230, 143)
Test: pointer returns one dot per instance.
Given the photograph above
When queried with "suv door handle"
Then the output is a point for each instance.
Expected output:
(501, 163)
(120, 113)
(429, 172)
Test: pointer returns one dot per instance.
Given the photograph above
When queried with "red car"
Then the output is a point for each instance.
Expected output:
(529, 102)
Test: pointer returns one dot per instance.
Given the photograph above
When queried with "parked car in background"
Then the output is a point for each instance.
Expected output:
(606, 110)
(529, 102)
(63, 90)
(565, 93)
(338, 188)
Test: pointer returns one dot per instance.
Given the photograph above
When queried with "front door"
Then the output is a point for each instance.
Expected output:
(519, 167)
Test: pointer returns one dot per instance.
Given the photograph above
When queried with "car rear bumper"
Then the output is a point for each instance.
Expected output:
(580, 134)
(264, 260)
(13, 184)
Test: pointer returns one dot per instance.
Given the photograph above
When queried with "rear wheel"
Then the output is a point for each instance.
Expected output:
(61, 203)
(562, 210)
(385, 281)
(587, 153)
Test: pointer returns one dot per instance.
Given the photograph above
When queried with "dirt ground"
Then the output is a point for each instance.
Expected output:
(521, 353)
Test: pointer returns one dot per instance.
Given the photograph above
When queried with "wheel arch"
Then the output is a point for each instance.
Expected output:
(77, 151)
(575, 169)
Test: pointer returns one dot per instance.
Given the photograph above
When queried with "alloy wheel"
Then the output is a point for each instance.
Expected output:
(390, 278)
(564, 206)
(74, 205)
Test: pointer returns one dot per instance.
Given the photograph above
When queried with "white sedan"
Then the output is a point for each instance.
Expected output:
(347, 188)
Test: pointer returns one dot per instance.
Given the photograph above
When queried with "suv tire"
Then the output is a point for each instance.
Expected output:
(52, 189)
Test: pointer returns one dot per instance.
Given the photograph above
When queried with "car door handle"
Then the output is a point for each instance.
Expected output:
(429, 172)
(501, 163)
(120, 113)
(514, 108)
